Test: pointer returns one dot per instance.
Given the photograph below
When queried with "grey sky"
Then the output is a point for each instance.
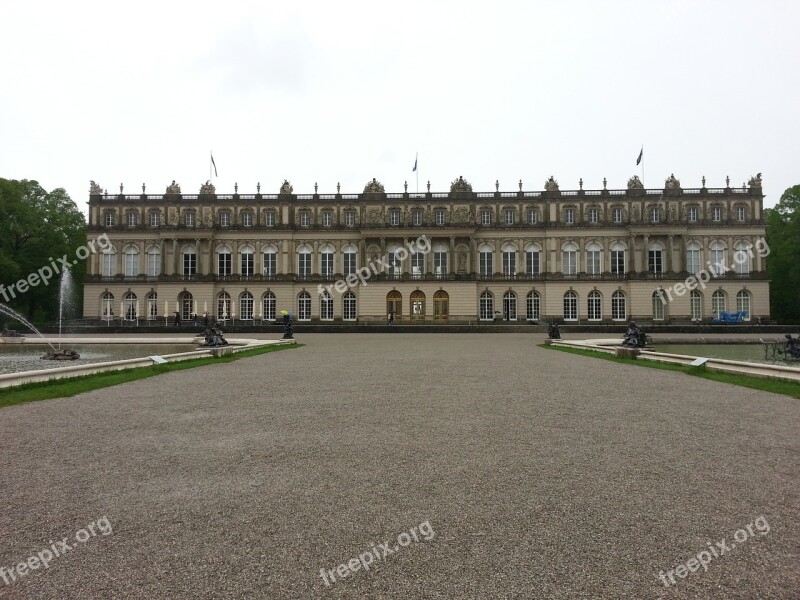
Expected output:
(343, 92)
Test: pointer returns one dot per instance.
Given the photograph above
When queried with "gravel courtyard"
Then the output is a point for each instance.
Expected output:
(536, 473)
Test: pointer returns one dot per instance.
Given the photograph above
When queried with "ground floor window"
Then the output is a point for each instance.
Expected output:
(510, 306)
(696, 305)
(487, 306)
(349, 307)
(619, 308)
(718, 303)
(417, 305)
(326, 307)
(658, 306)
(223, 307)
(152, 306)
(246, 307)
(187, 306)
(304, 306)
(570, 306)
(394, 304)
(441, 305)
(269, 305)
(743, 303)
(533, 302)
(594, 306)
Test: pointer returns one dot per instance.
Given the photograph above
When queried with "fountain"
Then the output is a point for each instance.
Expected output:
(64, 297)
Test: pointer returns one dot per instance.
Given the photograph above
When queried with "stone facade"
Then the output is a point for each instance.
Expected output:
(582, 256)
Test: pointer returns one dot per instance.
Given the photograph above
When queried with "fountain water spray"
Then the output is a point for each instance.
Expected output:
(18, 317)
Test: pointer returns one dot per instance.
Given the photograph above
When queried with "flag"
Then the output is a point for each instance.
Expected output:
(215, 165)
(641, 152)
(415, 165)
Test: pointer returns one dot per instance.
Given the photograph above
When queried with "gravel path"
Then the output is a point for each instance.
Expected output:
(542, 474)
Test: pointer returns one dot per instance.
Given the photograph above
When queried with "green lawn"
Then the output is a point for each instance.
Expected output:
(61, 388)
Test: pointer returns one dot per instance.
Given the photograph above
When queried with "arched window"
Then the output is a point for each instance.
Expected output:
(655, 258)
(659, 305)
(107, 305)
(224, 261)
(304, 306)
(693, 257)
(509, 260)
(510, 306)
(189, 255)
(569, 259)
(717, 256)
(570, 306)
(247, 261)
(326, 306)
(533, 305)
(440, 260)
(152, 306)
(268, 305)
(394, 304)
(719, 303)
(131, 255)
(130, 306)
(743, 303)
(619, 306)
(417, 305)
(108, 264)
(441, 305)
(533, 264)
(594, 259)
(304, 263)
(741, 258)
(486, 306)
(617, 259)
(349, 307)
(223, 306)
(594, 306)
(395, 255)
(246, 306)
(696, 305)
(350, 259)
(153, 261)
(269, 254)
(187, 306)
(326, 264)
(485, 260)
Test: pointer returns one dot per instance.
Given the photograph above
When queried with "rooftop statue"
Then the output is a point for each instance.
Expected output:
(374, 187)
(286, 187)
(173, 188)
(95, 189)
(671, 183)
(460, 185)
(551, 185)
(634, 183)
(207, 188)
(755, 182)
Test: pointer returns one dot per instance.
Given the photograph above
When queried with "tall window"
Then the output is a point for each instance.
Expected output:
(658, 306)
(532, 260)
(130, 306)
(189, 261)
(417, 265)
(269, 218)
(717, 255)
(224, 218)
(349, 306)
(441, 305)
(417, 301)
(152, 306)
(394, 217)
(269, 305)
(486, 312)
(692, 214)
(155, 219)
(594, 306)
(326, 261)
(569, 216)
(718, 303)
(133, 219)
(304, 262)
(654, 214)
(247, 262)
(108, 267)
(350, 218)
(693, 257)
(533, 305)
(187, 305)
(740, 213)
(153, 262)
(594, 259)
(395, 262)
(619, 310)
(696, 305)
(304, 306)
(716, 213)
(510, 306)
(509, 216)
(533, 216)
(110, 219)
(247, 218)
(440, 217)
(246, 306)
(594, 215)
(486, 217)
(305, 218)
(416, 217)
(570, 306)
(223, 306)
(616, 214)
(349, 257)
(270, 256)
(741, 258)
(743, 303)
(440, 260)
(569, 259)
(107, 305)
(326, 306)
(131, 261)
(485, 260)
(617, 259)
(509, 260)
(655, 259)
(327, 218)
(188, 218)
(224, 261)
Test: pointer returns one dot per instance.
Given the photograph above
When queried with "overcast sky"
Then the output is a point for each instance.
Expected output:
(346, 91)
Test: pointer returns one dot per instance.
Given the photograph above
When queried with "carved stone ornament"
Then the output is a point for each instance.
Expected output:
(755, 182)
(374, 216)
(286, 187)
(671, 183)
(374, 187)
(634, 183)
(634, 213)
(461, 215)
(173, 188)
(95, 189)
(207, 188)
(460, 185)
(551, 185)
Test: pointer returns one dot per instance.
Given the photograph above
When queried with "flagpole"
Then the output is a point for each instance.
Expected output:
(642, 164)
(416, 164)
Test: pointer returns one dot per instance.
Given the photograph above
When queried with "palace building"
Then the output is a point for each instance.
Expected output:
(666, 255)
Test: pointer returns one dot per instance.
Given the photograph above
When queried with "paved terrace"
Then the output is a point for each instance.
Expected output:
(543, 475)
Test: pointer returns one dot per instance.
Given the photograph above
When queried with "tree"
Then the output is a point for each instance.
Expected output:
(783, 262)
(36, 229)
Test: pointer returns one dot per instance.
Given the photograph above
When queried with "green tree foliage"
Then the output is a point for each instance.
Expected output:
(36, 228)
(783, 262)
